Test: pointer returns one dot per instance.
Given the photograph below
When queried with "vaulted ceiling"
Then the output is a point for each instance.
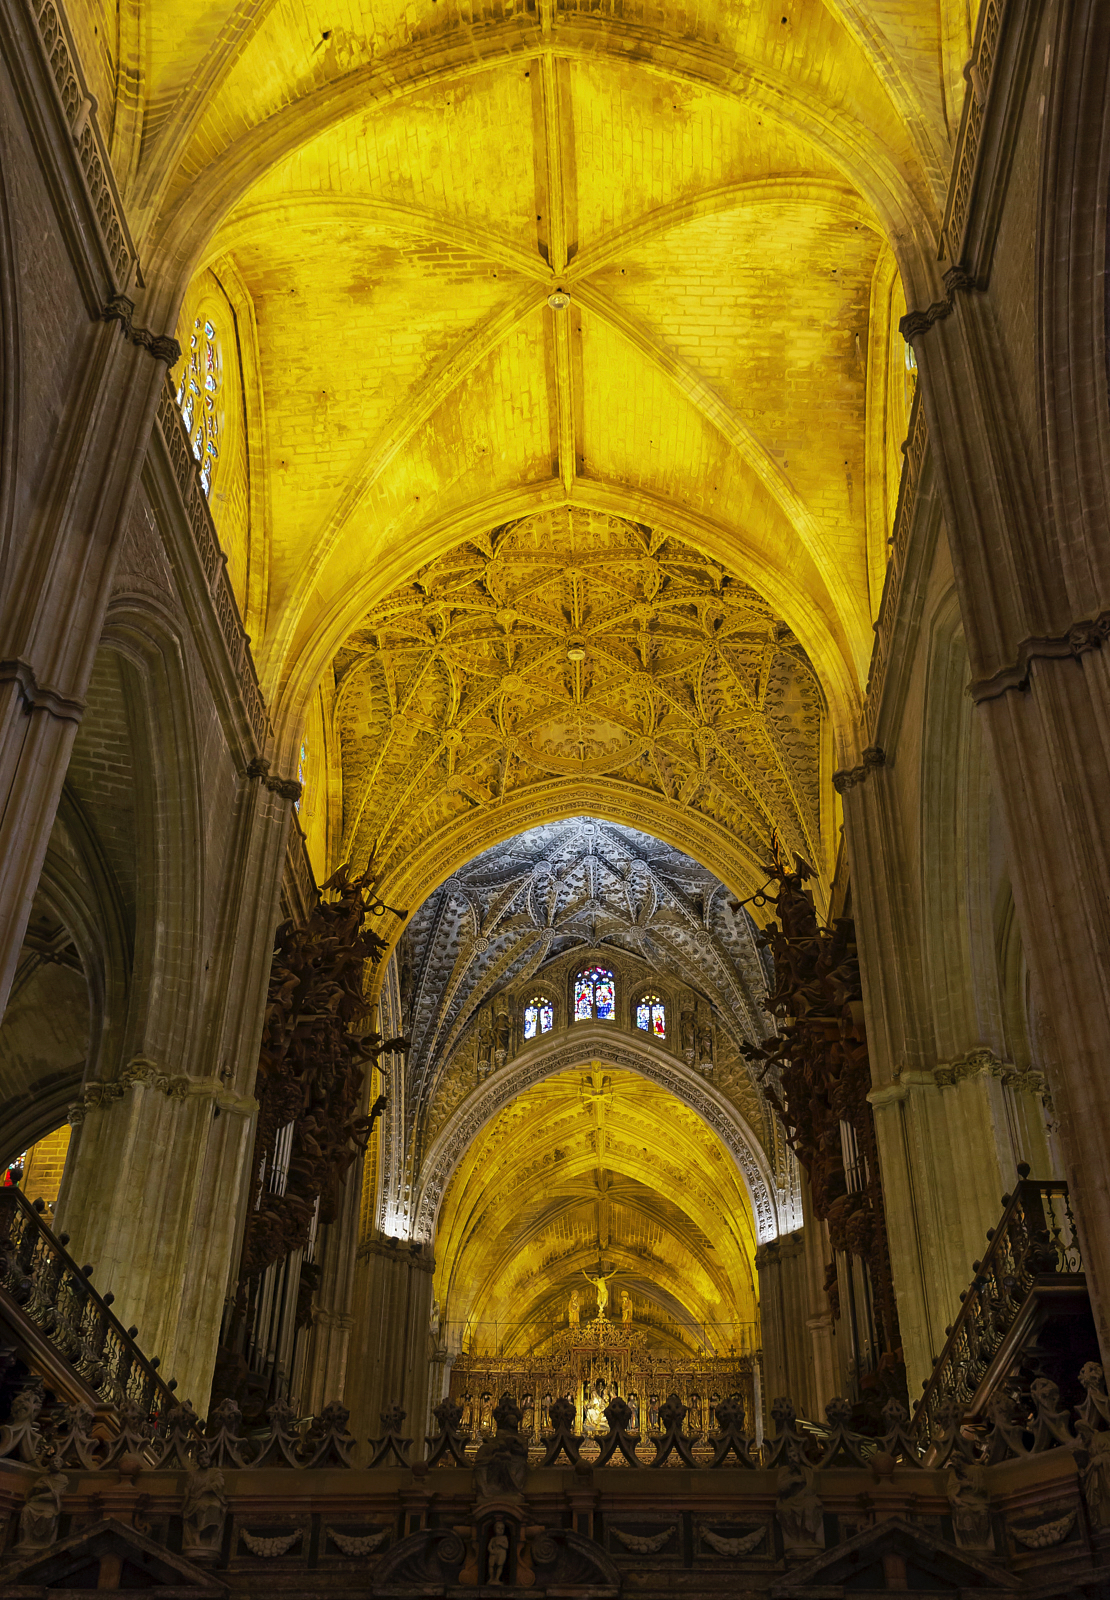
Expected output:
(485, 263)
(571, 649)
(577, 884)
(587, 1167)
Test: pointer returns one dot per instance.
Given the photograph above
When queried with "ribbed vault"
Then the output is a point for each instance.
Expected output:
(586, 1166)
(574, 645)
(389, 197)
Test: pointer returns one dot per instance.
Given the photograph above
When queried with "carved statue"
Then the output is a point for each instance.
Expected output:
(202, 1513)
(593, 1418)
(601, 1284)
(38, 1519)
(686, 1036)
(626, 1307)
(501, 1465)
(970, 1506)
(797, 1505)
(574, 1309)
(502, 1031)
(705, 1047)
(485, 1046)
(435, 1319)
(497, 1552)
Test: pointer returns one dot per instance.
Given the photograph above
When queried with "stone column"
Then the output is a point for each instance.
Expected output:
(156, 1178)
(1020, 427)
(325, 1364)
(785, 1310)
(68, 529)
(390, 1341)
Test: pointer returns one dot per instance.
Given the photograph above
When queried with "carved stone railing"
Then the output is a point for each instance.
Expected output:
(54, 1293)
(79, 109)
(1035, 1246)
(978, 73)
(212, 560)
(917, 440)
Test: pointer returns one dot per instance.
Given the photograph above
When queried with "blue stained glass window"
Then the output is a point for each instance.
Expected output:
(651, 1015)
(595, 994)
(539, 1016)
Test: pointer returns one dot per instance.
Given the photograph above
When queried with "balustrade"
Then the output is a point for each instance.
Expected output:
(39, 1277)
(1034, 1245)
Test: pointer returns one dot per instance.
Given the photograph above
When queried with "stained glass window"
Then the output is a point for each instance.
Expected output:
(302, 760)
(200, 400)
(651, 1015)
(539, 1016)
(595, 994)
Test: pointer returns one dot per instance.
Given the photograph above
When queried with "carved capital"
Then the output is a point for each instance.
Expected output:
(1081, 638)
(160, 345)
(957, 280)
(849, 777)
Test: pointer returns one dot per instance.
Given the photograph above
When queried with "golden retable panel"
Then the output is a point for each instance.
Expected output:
(574, 645)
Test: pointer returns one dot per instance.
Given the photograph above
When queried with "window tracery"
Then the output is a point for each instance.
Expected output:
(539, 1016)
(200, 399)
(651, 1015)
(595, 994)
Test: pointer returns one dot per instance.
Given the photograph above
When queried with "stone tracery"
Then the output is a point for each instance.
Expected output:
(577, 645)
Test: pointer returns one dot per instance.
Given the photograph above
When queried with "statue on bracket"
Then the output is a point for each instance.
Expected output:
(502, 1030)
(687, 1037)
(485, 1045)
(574, 1309)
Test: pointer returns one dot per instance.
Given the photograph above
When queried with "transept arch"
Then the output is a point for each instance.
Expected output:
(589, 1044)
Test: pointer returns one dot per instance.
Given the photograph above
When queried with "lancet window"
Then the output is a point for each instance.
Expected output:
(200, 399)
(651, 1015)
(595, 994)
(539, 1016)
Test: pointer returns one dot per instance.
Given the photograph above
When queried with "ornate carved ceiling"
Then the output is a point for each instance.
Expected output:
(574, 649)
(390, 194)
(589, 1165)
(582, 884)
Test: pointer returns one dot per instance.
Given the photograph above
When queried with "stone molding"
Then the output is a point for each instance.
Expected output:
(1079, 640)
(38, 697)
(980, 1062)
(159, 345)
(849, 777)
(79, 109)
(286, 788)
(957, 280)
(143, 1073)
(983, 1061)
(503, 1086)
(408, 1252)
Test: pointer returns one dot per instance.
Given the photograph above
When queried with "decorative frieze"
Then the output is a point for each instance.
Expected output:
(142, 1073)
